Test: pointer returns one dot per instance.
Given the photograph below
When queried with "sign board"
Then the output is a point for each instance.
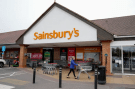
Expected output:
(47, 54)
(3, 48)
(36, 55)
(63, 53)
(54, 29)
(71, 54)
(106, 55)
(55, 34)
(79, 55)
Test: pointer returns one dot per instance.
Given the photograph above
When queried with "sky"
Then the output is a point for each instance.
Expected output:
(20, 14)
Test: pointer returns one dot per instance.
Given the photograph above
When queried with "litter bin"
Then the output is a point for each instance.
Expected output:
(101, 75)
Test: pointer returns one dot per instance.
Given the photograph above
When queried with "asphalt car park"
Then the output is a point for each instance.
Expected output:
(22, 78)
(15, 78)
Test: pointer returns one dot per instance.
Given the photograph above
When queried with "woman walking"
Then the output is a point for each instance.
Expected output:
(72, 67)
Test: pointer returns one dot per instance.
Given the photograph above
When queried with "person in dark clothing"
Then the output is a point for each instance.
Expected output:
(72, 67)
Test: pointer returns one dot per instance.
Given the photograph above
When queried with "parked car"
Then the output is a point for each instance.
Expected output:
(2, 63)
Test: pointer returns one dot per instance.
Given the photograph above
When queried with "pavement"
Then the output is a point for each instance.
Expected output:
(21, 78)
(110, 79)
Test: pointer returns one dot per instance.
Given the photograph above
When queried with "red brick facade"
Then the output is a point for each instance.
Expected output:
(106, 50)
(22, 58)
(22, 50)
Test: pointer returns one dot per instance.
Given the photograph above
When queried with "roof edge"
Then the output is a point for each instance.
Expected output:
(41, 16)
(83, 17)
(110, 36)
(13, 31)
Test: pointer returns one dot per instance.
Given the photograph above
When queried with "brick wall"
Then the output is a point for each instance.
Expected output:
(33, 50)
(106, 50)
(22, 58)
(56, 53)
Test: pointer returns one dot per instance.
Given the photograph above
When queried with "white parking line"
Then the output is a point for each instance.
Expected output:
(13, 74)
(6, 86)
(6, 73)
(5, 68)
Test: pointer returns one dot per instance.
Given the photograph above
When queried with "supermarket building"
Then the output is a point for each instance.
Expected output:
(62, 33)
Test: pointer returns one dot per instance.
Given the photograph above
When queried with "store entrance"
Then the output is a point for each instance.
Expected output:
(129, 59)
(48, 55)
(123, 59)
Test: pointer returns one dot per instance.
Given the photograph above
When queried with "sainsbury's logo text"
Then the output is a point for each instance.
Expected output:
(55, 35)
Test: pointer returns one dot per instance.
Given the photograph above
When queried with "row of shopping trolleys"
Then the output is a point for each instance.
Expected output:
(49, 68)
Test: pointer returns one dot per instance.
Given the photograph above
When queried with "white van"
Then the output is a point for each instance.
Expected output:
(2, 63)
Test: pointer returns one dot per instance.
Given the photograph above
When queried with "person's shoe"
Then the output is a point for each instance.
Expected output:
(68, 77)
(75, 77)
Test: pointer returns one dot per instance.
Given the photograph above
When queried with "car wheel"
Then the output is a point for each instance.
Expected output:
(1, 65)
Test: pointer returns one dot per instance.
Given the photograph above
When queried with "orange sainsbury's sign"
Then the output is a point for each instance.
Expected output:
(55, 35)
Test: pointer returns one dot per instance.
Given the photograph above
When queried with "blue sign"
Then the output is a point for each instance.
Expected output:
(3, 48)
(106, 55)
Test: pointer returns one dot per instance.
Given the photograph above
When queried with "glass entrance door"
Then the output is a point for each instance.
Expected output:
(123, 59)
(116, 60)
(133, 58)
(48, 55)
(126, 57)
(129, 59)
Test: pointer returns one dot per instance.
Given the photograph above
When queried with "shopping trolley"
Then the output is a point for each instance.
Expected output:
(49, 68)
(84, 69)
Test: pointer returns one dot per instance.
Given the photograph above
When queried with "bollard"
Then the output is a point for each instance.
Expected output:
(34, 73)
(32, 65)
(60, 76)
(96, 78)
(9, 63)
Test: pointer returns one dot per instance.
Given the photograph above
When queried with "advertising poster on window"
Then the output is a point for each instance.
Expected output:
(12, 54)
(71, 53)
(16, 54)
(36, 55)
(7, 54)
(63, 54)
(47, 56)
(79, 55)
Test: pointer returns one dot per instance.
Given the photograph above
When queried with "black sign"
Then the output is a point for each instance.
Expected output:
(63, 52)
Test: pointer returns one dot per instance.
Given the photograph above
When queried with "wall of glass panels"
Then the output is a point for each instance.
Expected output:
(116, 59)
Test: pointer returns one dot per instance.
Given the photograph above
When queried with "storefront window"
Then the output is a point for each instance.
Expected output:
(7, 54)
(15, 54)
(29, 55)
(91, 56)
(11, 54)
(88, 54)
(116, 60)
